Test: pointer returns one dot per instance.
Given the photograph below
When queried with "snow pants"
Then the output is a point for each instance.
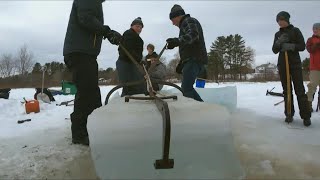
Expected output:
(84, 69)
(297, 80)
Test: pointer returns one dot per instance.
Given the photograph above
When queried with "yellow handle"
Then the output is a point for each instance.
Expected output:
(288, 84)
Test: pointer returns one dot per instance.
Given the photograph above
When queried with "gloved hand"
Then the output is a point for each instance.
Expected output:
(179, 67)
(114, 37)
(173, 42)
(284, 38)
(106, 31)
(287, 47)
(142, 62)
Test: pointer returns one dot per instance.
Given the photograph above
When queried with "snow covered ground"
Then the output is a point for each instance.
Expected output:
(265, 145)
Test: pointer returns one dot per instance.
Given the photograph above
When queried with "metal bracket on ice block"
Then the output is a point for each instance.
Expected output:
(165, 162)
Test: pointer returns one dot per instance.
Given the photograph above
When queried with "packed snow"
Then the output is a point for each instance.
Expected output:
(264, 144)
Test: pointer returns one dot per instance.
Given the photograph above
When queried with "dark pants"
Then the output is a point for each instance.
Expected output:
(296, 78)
(191, 70)
(128, 72)
(85, 76)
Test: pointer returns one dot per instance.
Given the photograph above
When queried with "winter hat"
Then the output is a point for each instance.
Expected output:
(176, 11)
(137, 21)
(316, 26)
(283, 15)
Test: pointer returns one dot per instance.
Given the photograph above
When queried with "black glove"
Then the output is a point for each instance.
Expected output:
(287, 47)
(179, 67)
(114, 37)
(284, 38)
(143, 63)
(173, 42)
(106, 31)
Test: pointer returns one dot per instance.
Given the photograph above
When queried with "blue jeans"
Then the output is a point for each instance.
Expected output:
(190, 71)
(128, 72)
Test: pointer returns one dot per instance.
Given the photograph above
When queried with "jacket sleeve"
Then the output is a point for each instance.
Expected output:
(191, 32)
(132, 44)
(86, 13)
(300, 45)
(159, 72)
(309, 45)
(275, 47)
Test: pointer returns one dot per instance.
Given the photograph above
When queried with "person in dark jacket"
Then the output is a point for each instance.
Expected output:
(82, 45)
(192, 49)
(289, 39)
(157, 71)
(127, 71)
(151, 53)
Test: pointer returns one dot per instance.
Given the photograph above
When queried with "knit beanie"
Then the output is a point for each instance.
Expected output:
(316, 26)
(137, 21)
(176, 11)
(283, 15)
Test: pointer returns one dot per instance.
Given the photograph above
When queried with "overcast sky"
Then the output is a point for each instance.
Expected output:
(41, 25)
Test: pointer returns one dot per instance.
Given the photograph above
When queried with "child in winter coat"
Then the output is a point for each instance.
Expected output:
(151, 53)
(313, 47)
(157, 71)
(289, 40)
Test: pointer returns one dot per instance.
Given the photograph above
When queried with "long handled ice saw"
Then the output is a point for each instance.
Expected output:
(289, 100)
(165, 162)
(318, 104)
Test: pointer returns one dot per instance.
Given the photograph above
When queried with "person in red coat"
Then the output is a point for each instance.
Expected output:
(313, 47)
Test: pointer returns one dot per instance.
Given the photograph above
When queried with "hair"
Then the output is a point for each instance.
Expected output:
(150, 46)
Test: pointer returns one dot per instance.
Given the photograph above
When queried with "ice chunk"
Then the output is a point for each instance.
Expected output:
(126, 139)
(225, 96)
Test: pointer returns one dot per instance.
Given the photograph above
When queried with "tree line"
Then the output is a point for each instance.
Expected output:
(228, 59)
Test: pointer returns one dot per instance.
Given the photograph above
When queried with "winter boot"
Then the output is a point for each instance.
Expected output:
(288, 119)
(307, 122)
(84, 141)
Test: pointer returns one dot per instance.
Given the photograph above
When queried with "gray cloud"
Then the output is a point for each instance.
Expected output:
(42, 24)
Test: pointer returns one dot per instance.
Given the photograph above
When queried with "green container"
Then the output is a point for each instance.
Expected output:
(68, 88)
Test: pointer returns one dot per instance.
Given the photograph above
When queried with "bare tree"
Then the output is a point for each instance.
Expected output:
(24, 60)
(6, 65)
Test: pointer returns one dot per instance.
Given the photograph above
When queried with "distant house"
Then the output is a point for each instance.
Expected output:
(268, 68)
(104, 81)
(267, 71)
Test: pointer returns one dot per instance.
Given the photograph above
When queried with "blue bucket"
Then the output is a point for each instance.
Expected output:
(200, 83)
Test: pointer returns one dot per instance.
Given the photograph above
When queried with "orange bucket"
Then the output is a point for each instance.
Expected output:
(32, 106)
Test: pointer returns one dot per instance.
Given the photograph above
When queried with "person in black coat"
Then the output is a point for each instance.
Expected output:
(82, 45)
(127, 71)
(290, 39)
